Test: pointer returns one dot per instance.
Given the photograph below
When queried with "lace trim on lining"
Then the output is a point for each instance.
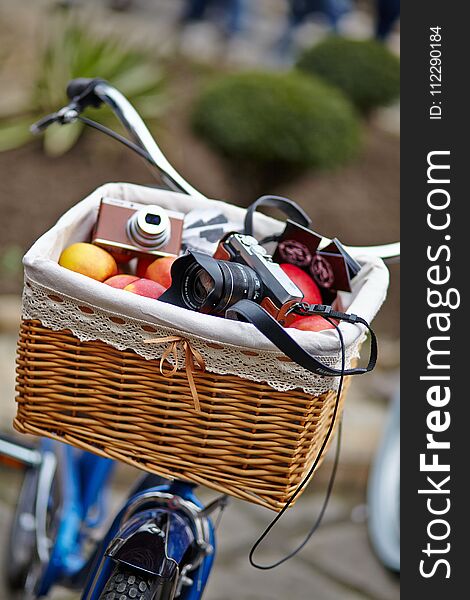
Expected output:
(88, 323)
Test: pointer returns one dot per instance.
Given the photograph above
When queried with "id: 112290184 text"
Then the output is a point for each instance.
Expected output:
(435, 72)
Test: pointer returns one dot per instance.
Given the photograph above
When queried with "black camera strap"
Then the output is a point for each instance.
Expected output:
(255, 314)
(268, 326)
(288, 207)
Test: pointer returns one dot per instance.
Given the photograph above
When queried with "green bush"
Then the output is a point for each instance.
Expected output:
(71, 49)
(365, 70)
(277, 120)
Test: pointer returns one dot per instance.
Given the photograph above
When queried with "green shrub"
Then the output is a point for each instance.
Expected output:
(71, 50)
(277, 121)
(365, 70)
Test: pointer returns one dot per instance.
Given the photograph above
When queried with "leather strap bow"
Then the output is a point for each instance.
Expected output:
(192, 357)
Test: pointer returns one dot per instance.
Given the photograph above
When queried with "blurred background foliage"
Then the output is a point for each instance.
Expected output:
(279, 124)
(71, 48)
(262, 117)
(366, 71)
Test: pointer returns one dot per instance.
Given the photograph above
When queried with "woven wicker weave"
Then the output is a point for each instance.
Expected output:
(249, 440)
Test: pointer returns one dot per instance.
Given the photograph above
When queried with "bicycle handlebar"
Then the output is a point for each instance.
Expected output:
(93, 92)
(86, 92)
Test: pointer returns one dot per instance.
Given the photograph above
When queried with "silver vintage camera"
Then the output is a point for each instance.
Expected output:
(134, 228)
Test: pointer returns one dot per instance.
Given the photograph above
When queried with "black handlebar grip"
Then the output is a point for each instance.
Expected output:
(82, 90)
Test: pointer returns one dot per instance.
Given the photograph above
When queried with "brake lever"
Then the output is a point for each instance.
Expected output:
(64, 116)
(43, 124)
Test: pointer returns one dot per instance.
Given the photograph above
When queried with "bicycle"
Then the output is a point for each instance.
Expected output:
(383, 494)
(161, 544)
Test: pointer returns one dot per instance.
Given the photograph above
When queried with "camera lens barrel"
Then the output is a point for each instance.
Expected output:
(240, 282)
(149, 228)
(214, 291)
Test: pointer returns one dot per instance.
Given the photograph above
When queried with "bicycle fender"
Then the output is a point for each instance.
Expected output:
(154, 542)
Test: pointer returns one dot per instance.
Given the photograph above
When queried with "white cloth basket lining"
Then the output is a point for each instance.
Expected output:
(62, 299)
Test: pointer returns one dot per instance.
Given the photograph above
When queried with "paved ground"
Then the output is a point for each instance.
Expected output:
(337, 564)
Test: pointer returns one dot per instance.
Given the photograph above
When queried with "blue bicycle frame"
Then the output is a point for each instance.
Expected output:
(80, 483)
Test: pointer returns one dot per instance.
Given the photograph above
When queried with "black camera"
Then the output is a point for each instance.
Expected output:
(240, 269)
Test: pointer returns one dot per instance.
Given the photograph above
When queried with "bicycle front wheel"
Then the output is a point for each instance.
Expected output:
(127, 584)
(384, 494)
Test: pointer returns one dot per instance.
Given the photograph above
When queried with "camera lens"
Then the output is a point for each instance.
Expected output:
(153, 219)
(203, 285)
(197, 286)
(149, 228)
(214, 292)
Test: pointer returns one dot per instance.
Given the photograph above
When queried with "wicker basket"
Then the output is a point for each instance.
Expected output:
(90, 363)
(248, 440)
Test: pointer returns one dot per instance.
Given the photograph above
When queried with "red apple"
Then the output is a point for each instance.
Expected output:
(160, 270)
(143, 263)
(304, 282)
(120, 281)
(312, 323)
(145, 287)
